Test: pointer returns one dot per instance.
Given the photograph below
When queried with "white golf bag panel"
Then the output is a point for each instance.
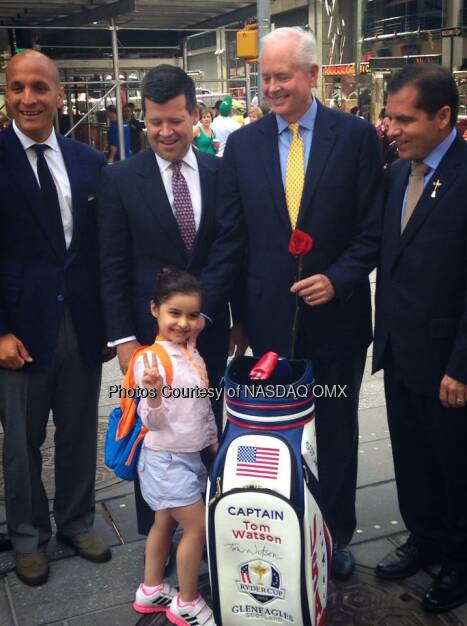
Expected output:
(258, 461)
(257, 573)
(268, 546)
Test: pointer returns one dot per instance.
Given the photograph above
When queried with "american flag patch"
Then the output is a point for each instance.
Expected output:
(245, 573)
(257, 462)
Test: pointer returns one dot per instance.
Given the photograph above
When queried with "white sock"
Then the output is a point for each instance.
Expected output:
(191, 603)
(148, 591)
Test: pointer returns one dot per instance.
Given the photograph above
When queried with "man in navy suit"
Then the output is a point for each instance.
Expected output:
(51, 333)
(141, 233)
(340, 209)
(421, 330)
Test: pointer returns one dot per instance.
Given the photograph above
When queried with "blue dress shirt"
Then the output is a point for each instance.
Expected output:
(307, 125)
(432, 160)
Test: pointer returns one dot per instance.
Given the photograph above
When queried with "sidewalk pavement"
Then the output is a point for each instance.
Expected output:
(80, 593)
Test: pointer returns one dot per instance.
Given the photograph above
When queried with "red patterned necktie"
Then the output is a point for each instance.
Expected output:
(183, 207)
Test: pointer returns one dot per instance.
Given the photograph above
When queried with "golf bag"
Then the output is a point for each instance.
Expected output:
(269, 549)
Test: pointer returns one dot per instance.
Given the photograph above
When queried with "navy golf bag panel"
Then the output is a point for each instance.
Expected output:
(268, 546)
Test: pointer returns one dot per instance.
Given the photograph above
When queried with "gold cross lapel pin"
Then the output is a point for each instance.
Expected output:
(436, 185)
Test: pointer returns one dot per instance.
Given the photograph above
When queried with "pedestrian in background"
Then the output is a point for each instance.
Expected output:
(203, 135)
(112, 136)
(136, 128)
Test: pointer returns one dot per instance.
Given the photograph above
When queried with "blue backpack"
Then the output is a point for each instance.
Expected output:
(125, 430)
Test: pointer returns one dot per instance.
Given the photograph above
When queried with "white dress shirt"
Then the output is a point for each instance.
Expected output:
(190, 173)
(57, 168)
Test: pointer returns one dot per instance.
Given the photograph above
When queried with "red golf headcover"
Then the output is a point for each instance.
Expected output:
(265, 366)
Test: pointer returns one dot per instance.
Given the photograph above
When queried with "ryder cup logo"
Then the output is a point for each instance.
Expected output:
(261, 581)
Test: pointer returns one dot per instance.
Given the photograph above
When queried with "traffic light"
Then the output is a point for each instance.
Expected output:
(247, 43)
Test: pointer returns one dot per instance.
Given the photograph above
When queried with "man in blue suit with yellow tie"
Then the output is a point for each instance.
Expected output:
(51, 329)
(319, 170)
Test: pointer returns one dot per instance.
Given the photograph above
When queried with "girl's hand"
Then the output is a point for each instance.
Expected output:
(152, 378)
(213, 448)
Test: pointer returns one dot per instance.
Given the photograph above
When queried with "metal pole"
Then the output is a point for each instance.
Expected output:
(451, 54)
(69, 105)
(358, 34)
(118, 103)
(247, 85)
(185, 53)
(91, 110)
(89, 121)
(263, 10)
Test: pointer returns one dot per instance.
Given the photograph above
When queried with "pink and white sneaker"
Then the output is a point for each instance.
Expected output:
(156, 602)
(196, 613)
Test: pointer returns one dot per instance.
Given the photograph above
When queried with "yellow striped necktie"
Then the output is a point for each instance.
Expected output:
(295, 176)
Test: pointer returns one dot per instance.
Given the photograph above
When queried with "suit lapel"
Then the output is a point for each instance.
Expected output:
(324, 136)
(207, 200)
(445, 173)
(155, 198)
(268, 147)
(395, 198)
(73, 168)
(22, 173)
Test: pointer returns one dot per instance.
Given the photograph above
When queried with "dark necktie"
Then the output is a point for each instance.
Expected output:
(50, 195)
(182, 206)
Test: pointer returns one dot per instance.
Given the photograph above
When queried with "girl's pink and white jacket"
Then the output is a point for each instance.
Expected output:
(183, 424)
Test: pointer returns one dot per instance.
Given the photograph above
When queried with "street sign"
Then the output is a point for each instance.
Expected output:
(342, 69)
(397, 63)
(451, 32)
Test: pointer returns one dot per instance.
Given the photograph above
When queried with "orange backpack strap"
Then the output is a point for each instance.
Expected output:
(127, 404)
(165, 359)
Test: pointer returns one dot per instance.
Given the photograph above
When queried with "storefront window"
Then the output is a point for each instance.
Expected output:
(382, 17)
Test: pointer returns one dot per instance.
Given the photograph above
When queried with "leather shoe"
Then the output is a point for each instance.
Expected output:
(5, 543)
(343, 563)
(32, 568)
(405, 561)
(448, 591)
(88, 545)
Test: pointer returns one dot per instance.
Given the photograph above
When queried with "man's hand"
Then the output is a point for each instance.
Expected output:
(125, 352)
(238, 340)
(452, 393)
(213, 448)
(13, 354)
(200, 326)
(314, 290)
(108, 354)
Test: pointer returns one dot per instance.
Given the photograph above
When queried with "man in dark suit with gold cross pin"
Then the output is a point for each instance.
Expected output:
(421, 330)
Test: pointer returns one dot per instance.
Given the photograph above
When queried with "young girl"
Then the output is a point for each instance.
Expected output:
(170, 470)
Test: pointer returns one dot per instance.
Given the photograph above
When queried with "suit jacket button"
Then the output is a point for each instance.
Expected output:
(60, 297)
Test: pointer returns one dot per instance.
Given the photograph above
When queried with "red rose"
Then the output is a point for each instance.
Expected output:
(300, 243)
